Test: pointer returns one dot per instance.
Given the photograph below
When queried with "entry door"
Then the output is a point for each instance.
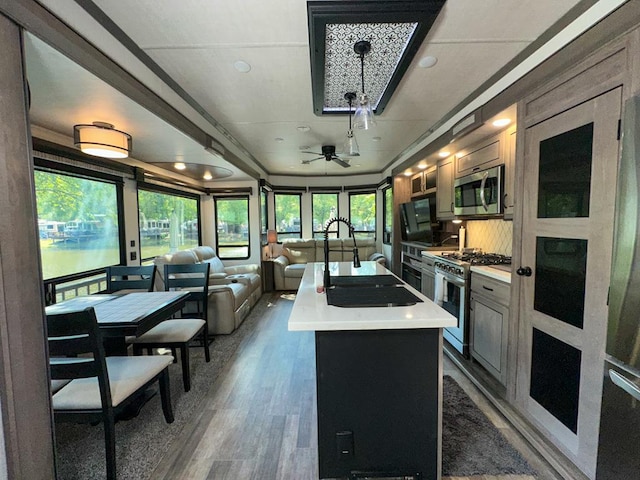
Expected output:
(571, 162)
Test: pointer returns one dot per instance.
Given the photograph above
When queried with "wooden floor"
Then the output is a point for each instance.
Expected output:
(258, 420)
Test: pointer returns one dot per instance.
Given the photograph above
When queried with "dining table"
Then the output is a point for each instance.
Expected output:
(123, 315)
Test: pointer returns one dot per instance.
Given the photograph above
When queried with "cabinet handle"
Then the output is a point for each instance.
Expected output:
(451, 207)
(475, 169)
(487, 288)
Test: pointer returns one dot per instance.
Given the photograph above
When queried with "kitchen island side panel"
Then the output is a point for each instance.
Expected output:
(379, 402)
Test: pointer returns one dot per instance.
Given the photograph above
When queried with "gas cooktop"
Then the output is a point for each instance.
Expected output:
(477, 258)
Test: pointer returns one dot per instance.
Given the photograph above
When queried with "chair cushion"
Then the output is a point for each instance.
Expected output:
(178, 330)
(126, 376)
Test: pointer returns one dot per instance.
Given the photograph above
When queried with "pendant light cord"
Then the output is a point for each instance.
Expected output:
(362, 71)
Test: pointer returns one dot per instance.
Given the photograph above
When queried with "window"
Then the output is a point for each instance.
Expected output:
(263, 217)
(232, 222)
(362, 214)
(168, 222)
(387, 215)
(79, 223)
(324, 207)
(288, 215)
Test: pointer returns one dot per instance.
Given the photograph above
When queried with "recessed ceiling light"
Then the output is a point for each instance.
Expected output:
(304, 128)
(207, 176)
(242, 66)
(408, 173)
(444, 154)
(279, 139)
(427, 62)
(376, 139)
(179, 166)
(501, 122)
(422, 166)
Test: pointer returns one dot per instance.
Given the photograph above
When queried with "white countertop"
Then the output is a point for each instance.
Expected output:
(312, 313)
(492, 272)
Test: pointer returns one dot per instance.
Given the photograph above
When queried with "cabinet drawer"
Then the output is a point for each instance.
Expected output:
(491, 288)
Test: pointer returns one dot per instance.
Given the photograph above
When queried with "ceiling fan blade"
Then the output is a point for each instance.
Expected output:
(341, 162)
(307, 162)
(315, 153)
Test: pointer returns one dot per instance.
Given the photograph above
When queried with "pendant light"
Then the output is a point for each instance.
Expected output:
(350, 144)
(363, 117)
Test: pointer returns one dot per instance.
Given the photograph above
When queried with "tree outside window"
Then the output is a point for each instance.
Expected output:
(232, 222)
(287, 207)
(78, 223)
(324, 206)
(168, 223)
(387, 215)
(362, 214)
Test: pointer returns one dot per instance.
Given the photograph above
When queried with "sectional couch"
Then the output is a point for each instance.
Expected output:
(296, 253)
(233, 291)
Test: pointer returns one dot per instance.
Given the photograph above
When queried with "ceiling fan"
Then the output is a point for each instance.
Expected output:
(329, 154)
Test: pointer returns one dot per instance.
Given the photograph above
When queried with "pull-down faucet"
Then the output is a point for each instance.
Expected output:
(356, 258)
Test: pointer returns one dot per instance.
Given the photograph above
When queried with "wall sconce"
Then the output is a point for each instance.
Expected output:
(102, 140)
(272, 237)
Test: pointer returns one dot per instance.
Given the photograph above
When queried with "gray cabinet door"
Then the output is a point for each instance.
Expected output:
(569, 187)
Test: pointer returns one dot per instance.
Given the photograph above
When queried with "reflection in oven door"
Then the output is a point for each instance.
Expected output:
(450, 294)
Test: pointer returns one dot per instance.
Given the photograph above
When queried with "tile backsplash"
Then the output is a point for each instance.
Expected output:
(492, 236)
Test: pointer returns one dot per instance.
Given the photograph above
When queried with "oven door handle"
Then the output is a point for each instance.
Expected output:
(482, 197)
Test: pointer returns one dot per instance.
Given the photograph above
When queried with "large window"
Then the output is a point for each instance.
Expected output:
(387, 214)
(78, 221)
(288, 215)
(168, 222)
(232, 222)
(362, 214)
(324, 207)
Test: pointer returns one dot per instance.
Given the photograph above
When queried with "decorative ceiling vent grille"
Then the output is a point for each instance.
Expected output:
(395, 30)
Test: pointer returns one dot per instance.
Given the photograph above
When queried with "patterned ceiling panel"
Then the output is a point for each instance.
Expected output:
(342, 63)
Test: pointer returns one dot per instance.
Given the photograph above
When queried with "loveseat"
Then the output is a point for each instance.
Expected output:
(233, 291)
(296, 253)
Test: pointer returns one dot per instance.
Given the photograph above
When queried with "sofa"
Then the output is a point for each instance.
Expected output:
(296, 253)
(233, 291)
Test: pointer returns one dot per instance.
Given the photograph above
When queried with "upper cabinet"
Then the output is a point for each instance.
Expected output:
(480, 156)
(424, 182)
(444, 196)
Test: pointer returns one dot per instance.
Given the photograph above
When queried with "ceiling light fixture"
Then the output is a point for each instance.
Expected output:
(179, 166)
(350, 144)
(427, 62)
(207, 176)
(444, 154)
(501, 122)
(100, 139)
(242, 66)
(363, 117)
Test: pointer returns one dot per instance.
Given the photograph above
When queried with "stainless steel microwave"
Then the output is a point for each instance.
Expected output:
(479, 193)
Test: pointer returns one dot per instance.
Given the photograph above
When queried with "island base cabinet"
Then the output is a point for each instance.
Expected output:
(379, 401)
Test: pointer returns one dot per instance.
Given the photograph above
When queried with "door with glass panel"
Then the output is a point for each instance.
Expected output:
(570, 169)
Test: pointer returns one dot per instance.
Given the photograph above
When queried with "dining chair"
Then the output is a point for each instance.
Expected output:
(130, 278)
(179, 333)
(99, 388)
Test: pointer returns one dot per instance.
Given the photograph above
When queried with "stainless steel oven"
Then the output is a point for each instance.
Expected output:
(451, 293)
(479, 193)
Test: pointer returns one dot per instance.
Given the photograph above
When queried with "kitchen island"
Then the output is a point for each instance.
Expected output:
(379, 380)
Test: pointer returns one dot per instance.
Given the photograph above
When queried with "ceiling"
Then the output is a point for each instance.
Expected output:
(263, 118)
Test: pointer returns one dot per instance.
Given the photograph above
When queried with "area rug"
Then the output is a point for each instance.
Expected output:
(471, 444)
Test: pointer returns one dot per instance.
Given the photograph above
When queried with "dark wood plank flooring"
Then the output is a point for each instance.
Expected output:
(258, 420)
